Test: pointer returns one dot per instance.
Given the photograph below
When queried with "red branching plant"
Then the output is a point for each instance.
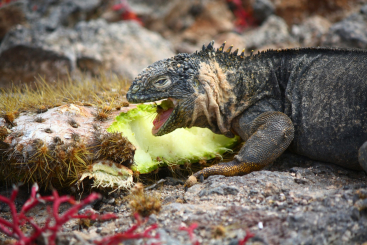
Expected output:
(4, 2)
(243, 18)
(245, 239)
(125, 12)
(53, 223)
(190, 231)
(130, 233)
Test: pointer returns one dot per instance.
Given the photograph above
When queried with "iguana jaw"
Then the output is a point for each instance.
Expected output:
(165, 117)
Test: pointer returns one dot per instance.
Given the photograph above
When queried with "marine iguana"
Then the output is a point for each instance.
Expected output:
(312, 101)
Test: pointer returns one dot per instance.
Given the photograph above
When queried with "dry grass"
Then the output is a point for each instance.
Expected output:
(105, 91)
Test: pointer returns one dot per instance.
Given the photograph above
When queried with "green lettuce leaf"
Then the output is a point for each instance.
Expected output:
(178, 147)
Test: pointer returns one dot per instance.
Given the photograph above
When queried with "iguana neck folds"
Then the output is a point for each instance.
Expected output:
(215, 94)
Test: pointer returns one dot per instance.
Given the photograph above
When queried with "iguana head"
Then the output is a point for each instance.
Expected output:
(171, 80)
(194, 88)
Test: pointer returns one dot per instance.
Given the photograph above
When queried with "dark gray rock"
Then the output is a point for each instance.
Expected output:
(262, 9)
(364, 9)
(273, 31)
(109, 200)
(152, 219)
(11, 14)
(173, 181)
(310, 32)
(166, 238)
(22, 64)
(350, 32)
(87, 209)
(51, 14)
(220, 190)
(170, 199)
(124, 48)
(185, 23)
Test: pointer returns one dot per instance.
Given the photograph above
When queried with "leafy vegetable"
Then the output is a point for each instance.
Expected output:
(178, 147)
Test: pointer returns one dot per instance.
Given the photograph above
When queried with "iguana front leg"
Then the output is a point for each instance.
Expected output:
(270, 135)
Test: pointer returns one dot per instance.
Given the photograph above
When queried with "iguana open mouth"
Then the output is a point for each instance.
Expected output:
(164, 111)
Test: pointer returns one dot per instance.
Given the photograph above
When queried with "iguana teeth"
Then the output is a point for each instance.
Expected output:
(175, 102)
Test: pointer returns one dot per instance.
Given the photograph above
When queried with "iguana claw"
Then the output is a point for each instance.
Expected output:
(201, 178)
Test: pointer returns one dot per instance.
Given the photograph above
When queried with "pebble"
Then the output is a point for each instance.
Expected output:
(260, 225)
(220, 190)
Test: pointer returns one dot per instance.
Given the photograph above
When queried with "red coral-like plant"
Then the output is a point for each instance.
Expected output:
(246, 238)
(130, 233)
(3, 2)
(125, 12)
(244, 18)
(190, 231)
(53, 223)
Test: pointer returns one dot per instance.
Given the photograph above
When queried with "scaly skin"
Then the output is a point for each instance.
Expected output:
(312, 101)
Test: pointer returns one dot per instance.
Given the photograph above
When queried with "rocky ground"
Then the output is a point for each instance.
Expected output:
(295, 201)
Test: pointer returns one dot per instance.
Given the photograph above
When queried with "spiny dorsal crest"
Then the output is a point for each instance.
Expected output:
(210, 50)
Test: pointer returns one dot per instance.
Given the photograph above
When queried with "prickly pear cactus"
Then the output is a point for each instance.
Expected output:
(58, 147)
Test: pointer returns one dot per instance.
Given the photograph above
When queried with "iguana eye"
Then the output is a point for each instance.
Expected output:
(162, 83)
(135, 88)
